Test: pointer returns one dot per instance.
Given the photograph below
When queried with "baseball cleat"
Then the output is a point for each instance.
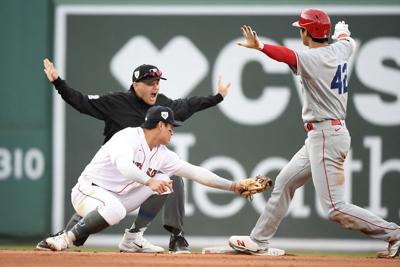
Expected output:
(59, 242)
(178, 244)
(135, 242)
(243, 244)
(246, 245)
(42, 245)
(269, 252)
(392, 251)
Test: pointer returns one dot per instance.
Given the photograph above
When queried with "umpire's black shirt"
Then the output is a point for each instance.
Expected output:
(119, 110)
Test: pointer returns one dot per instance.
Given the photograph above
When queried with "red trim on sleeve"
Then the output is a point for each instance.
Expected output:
(281, 54)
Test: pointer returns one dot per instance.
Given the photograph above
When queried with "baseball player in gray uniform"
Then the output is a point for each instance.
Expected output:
(323, 72)
(133, 165)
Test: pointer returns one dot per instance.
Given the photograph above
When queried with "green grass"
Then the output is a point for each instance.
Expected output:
(363, 254)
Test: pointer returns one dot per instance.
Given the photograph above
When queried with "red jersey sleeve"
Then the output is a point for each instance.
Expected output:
(281, 54)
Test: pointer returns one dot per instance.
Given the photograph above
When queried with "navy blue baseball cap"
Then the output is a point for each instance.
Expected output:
(159, 113)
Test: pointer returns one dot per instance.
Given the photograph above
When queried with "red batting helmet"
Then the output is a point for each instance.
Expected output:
(316, 22)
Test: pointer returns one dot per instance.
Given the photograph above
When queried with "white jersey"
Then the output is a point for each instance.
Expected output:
(323, 73)
(129, 143)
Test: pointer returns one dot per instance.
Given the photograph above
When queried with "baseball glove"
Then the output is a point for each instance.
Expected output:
(251, 186)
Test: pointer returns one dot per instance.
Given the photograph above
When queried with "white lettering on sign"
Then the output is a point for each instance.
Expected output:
(237, 107)
(381, 79)
(18, 163)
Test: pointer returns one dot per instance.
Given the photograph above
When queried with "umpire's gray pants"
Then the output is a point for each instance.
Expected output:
(174, 207)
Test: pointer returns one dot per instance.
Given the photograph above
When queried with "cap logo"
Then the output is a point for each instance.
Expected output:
(164, 114)
(136, 73)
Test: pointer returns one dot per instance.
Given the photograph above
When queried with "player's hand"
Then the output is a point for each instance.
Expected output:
(236, 187)
(223, 89)
(50, 70)
(160, 186)
(250, 38)
(341, 30)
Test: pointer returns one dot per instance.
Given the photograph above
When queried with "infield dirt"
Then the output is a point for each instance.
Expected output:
(11, 258)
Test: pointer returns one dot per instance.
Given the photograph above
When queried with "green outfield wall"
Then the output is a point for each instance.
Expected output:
(25, 119)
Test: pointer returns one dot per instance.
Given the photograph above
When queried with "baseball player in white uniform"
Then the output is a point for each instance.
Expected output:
(323, 73)
(129, 168)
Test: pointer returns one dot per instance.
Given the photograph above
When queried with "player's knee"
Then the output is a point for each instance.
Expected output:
(333, 215)
(338, 215)
(342, 219)
(113, 213)
(284, 188)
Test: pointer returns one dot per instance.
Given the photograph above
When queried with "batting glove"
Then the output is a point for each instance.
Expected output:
(341, 30)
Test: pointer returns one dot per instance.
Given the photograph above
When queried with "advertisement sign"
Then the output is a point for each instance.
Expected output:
(257, 128)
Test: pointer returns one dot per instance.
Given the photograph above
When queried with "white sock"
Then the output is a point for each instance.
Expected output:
(71, 237)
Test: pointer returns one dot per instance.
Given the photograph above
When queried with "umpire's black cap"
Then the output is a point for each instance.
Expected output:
(159, 113)
(146, 73)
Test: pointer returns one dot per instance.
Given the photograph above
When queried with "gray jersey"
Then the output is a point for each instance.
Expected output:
(323, 73)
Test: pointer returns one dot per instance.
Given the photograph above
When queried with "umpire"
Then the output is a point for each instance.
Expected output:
(119, 110)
